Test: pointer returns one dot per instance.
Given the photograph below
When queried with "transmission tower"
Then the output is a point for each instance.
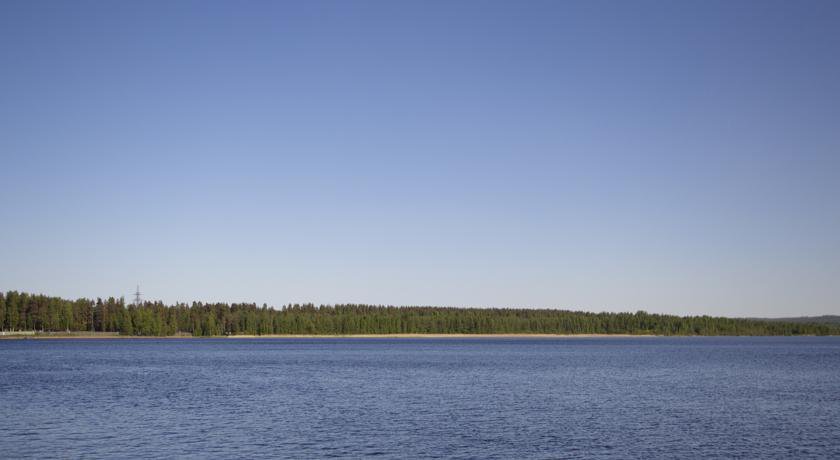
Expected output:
(137, 299)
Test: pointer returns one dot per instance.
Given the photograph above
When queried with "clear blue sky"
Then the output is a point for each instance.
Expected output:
(679, 157)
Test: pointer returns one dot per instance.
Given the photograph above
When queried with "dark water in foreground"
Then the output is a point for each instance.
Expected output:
(407, 398)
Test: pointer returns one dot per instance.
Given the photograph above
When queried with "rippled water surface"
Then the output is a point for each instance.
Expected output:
(408, 398)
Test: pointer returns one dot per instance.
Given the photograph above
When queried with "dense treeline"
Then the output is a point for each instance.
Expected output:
(21, 311)
(824, 319)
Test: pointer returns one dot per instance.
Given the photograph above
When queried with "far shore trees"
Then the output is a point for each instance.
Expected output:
(22, 311)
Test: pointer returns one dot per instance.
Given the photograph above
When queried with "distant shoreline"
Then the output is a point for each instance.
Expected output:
(105, 336)
(36, 314)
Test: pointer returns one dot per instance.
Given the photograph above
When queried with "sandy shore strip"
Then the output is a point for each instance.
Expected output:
(324, 336)
(436, 336)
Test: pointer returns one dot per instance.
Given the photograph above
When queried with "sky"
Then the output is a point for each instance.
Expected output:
(673, 157)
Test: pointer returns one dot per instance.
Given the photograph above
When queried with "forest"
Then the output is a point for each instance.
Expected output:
(35, 312)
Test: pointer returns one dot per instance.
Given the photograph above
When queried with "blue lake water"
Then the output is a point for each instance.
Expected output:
(409, 398)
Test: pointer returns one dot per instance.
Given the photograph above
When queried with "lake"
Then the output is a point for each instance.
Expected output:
(421, 398)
